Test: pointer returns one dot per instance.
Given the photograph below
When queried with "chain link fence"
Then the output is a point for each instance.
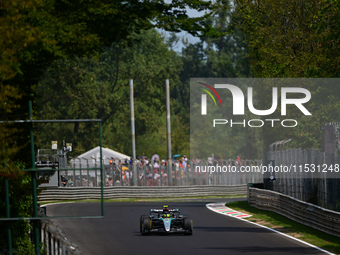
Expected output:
(318, 187)
(120, 173)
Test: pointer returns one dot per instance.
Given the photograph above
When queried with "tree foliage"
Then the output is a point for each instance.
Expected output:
(38, 32)
(293, 39)
(280, 37)
(20, 192)
(97, 88)
(222, 57)
(327, 24)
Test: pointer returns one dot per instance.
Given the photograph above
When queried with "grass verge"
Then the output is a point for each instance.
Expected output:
(289, 227)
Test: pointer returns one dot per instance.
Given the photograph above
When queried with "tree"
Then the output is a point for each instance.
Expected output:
(326, 24)
(226, 56)
(98, 88)
(222, 57)
(38, 32)
(281, 37)
(295, 39)
(45, 30)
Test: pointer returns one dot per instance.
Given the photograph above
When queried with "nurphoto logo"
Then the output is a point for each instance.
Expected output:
(248, 127)
(295, 96)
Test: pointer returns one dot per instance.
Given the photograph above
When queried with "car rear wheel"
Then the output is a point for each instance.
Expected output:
(188, 226)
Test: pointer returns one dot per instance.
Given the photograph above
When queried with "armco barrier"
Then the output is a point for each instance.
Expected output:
(81, 193)
(54, 240)
(305, 213)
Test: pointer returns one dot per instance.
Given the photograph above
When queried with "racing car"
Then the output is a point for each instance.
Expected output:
(165, 221)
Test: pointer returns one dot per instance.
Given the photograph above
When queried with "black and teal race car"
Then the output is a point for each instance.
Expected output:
(165, 221)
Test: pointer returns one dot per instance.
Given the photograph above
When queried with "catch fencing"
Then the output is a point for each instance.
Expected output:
(116, 192)
(308, 214)
(226, 172)
(318, 188)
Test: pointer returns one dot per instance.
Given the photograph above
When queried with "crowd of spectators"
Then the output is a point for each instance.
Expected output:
(150, 171)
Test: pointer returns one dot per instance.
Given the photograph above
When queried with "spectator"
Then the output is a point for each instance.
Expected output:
(112, 161)
(184, 163)
(185, 157)
(194, 160)
(211, 160)
(238, 160)
(177, 165)
(63, 180)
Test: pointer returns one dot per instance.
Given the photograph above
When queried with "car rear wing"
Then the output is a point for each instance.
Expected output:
(161, 210)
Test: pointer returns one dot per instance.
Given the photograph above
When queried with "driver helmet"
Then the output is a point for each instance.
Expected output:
(166, 212)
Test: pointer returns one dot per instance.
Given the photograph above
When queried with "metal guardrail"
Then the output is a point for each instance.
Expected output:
(81, 193)
(55, 241)
(305, 213)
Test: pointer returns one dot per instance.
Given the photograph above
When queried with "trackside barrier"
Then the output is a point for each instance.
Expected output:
(305, 213)
(55, 241)
(81, 193)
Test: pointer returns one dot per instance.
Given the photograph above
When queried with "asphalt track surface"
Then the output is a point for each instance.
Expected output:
(118, 233)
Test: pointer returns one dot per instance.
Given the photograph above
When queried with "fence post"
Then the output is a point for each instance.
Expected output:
(34, 185)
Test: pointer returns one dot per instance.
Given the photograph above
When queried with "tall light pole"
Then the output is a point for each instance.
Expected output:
(168, 130)
(133, 135)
